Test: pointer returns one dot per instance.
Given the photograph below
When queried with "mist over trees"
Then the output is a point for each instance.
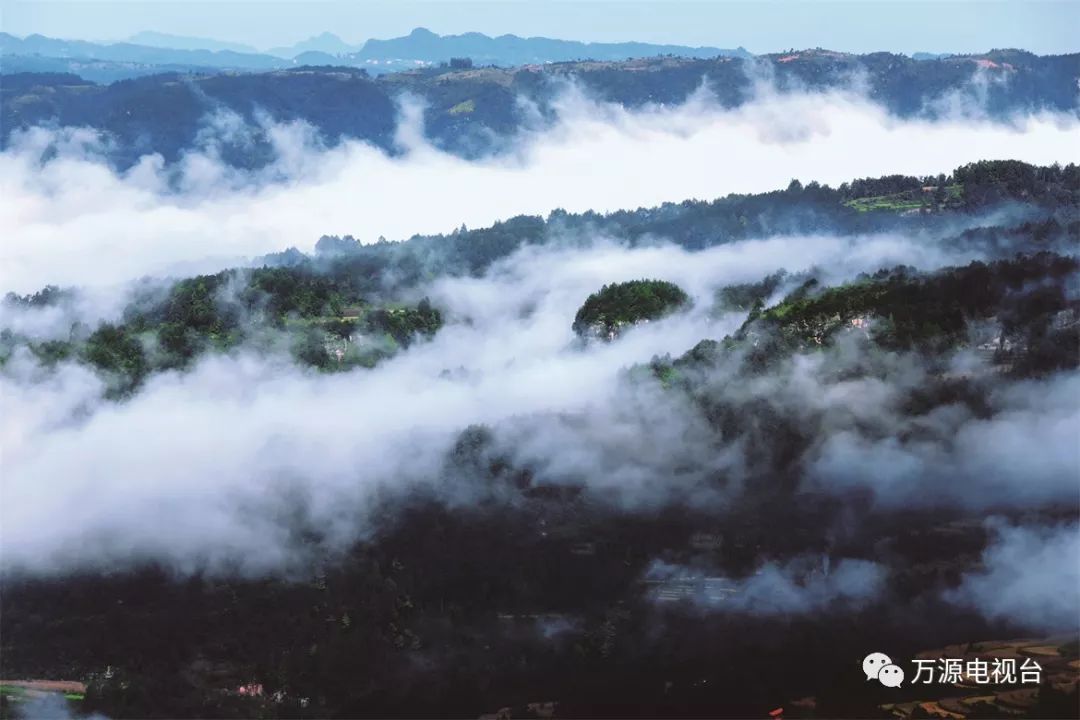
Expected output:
(813, 466)
(317, 304)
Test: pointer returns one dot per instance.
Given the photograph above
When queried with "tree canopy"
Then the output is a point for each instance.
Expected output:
(628, 303)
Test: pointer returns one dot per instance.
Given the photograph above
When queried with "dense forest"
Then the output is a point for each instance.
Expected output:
(628, 303)
(1043, 201)
(1029, 298)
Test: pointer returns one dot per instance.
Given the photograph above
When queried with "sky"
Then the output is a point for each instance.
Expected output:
(1042, 26)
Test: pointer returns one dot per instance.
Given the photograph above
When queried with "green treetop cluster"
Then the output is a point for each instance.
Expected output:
(627, 303)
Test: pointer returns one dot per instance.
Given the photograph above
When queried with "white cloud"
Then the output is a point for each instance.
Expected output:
(203, 465)
(73, 221)
(1030, 576)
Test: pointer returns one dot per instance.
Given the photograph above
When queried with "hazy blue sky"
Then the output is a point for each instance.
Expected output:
(1043, 26)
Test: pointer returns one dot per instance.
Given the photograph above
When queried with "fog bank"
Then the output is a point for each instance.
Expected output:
(72, 220)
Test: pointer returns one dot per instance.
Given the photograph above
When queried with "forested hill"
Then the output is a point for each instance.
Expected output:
(468, 109)
(351, 305)
(1043, 204)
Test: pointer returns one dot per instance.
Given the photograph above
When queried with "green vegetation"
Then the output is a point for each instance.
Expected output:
(118, 351)
(745, 296)
(374, 335)
(325, 323)
(927, 198)
(628, 303)
(463, 108)
(1024, 299)
(915, 310)
(49, 295)
(892, 203)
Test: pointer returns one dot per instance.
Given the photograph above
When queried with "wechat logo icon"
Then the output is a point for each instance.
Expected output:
(878, 666)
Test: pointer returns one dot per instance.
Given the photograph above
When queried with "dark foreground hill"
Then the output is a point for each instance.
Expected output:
(741, 588)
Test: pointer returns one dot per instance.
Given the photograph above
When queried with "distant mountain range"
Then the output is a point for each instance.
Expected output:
(183, 42)
(147, 53)
(326, 42)
(99, 62)
(422, 44)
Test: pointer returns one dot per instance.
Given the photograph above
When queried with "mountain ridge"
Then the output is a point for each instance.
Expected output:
(469, 110)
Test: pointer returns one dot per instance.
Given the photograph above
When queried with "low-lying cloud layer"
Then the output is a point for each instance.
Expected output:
(217, 466)
(173, 471)
(226, 465)
(72, 220)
